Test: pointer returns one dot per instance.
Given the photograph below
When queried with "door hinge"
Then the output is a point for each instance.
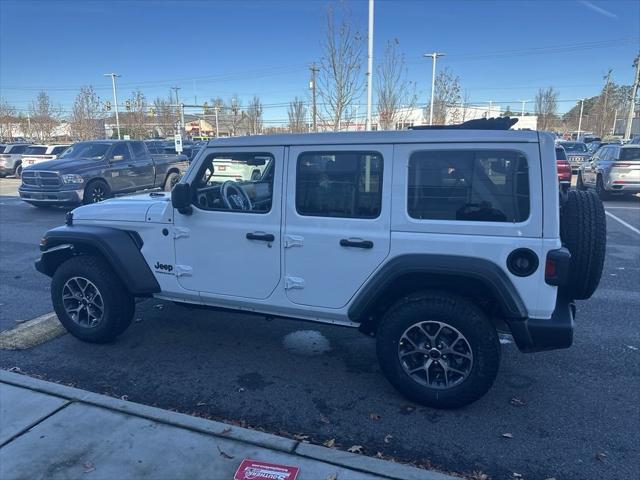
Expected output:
(293, 282)
(181, 232)
(183, 271)
(293, 241)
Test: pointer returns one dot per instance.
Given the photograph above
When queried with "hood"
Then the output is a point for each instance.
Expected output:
(66, 165)
(147, 207)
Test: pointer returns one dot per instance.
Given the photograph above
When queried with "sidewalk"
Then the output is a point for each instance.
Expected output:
(54, 432)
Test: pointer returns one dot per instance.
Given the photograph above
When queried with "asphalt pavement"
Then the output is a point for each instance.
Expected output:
(571, 414)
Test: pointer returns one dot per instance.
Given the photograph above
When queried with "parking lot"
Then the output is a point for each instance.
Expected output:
(570, 414)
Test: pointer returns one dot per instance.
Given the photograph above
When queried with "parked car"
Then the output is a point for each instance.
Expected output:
(613, 168)
(429, 240)
(577, 153)
(41, 153)
(564, 169)
(89, 172)
(11, 158)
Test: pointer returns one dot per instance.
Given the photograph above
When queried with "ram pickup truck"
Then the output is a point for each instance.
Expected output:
(89, 172)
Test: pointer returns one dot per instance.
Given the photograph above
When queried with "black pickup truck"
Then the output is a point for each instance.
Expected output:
(89, 172)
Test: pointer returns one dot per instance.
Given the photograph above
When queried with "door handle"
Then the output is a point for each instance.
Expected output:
(264, 237)
(345, 242)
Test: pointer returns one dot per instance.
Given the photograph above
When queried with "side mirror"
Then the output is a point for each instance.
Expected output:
(117, 158)
(181, 198)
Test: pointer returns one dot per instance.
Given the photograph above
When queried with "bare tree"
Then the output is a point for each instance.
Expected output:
(446, 98)
(254, 116)
(44, 117)
(340, 81)
(163, 114)
(235, 114)
(297, 116)
(546, 107)
(396, 95)
(85, 117)
(7, 120)
(135, 120)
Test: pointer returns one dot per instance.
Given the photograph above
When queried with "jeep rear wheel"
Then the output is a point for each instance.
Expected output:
(90, 300)
(438, 349)
(583, 230)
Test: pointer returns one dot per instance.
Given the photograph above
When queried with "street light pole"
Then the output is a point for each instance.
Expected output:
(370, 67)
(634, 92)
(523, 104)
(434, 56)
(580, 120)
(115, 99)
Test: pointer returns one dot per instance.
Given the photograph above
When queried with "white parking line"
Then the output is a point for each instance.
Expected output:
(622, 222)
(624, 208)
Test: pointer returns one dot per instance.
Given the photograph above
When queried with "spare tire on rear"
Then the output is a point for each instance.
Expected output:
(583, 230)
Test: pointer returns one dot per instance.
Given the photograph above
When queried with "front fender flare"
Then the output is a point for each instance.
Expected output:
(121, 249)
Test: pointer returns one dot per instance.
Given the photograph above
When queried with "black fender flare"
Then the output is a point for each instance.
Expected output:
(435, 266)
(120, 248)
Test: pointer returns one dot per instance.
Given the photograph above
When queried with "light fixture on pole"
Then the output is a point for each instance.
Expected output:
(115, 99)
(523, 104)
(580, 119)
(434, 56)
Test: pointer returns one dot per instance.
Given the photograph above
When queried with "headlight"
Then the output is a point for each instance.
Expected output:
(72, 178)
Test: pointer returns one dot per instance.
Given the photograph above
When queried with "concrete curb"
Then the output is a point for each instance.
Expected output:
(391, 470)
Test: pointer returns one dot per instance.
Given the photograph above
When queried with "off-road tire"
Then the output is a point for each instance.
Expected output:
(92, 189)
(600, 190)
(171, 181)
(583, 230)
(119, 305)
(580, 183)
(453, 310)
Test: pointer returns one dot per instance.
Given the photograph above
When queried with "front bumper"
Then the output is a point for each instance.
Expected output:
(60, 197)
(4, 170)
(536, 334)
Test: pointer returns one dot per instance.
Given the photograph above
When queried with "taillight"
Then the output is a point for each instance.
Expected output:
(556, 267)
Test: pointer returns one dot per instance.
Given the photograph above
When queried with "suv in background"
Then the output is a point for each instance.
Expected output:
(577, 153)
(433, 241)
(613, 168)
(11, 158)
(41, 153)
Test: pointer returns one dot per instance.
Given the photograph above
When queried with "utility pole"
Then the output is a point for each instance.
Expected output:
(615, 120)
(314, 70)
(115, 99)
(370, 67)
(216, 108)
(177, 99)
(434, 56)
(580, 120)
(523, 104)
(634, 92)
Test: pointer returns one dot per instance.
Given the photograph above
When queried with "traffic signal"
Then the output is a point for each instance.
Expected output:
(107, 106)
(127, 105)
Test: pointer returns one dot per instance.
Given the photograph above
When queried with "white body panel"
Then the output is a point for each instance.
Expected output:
(216, 265)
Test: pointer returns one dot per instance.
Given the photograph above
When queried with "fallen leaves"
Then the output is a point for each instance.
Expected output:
(374, 416)
(516, 475)
(224, 454)
(300, 437)
(329, 443)
(201, 404)
(226, 431)
(387, 438)
(158, 306)
(407, 409)
(517, 402)
(89, 467)
(333, 476)
(355, 449)
(507, 435)
(379, 455)
(324, 419)
(124, 397)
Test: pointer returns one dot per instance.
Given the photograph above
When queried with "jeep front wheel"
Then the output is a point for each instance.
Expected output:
(90, 300)
(438, 349)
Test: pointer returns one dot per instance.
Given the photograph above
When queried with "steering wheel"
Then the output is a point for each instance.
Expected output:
(234, 197)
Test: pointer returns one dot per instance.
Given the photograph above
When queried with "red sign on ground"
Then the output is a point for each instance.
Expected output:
(256, 470)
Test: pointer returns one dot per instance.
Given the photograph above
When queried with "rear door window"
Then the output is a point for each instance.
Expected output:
(469, 185)
(139, 152)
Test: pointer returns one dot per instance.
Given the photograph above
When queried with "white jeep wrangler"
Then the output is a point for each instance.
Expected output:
(431, 240)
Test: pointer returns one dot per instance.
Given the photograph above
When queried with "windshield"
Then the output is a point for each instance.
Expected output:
(574, 147)
(630, 154)
(88, 151)
(35, 150)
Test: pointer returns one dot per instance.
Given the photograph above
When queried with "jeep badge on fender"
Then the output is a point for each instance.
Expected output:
(163, 266)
